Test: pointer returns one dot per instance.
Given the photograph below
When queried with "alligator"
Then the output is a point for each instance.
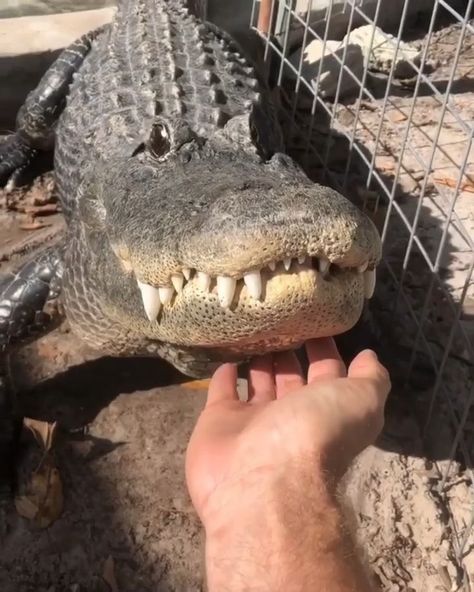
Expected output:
(191, 234)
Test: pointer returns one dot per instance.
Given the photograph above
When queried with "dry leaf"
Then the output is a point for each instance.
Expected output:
(42, 431)
(453, 183)
(42, 502)
(40, 210)
(26, 507)
(397, 116)
(32, 225)
(197, 385)
(108, 574)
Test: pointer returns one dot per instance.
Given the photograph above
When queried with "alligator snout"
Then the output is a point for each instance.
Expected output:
(254, 247)
(242, 260)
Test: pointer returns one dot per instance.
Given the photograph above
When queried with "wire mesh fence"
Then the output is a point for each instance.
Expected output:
(376, 101)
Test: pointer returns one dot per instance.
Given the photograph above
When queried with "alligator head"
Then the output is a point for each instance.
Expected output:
(205, 247)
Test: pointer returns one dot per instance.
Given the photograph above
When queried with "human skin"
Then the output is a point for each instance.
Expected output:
(263, 474)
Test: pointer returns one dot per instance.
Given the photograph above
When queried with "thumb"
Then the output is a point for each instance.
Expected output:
(223, 386)
(366, 365)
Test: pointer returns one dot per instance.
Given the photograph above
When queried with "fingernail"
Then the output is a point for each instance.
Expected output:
(369, 352)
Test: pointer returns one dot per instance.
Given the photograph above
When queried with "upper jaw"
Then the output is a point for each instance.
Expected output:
(156, 297)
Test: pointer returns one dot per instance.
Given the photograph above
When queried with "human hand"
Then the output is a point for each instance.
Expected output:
(288, 428)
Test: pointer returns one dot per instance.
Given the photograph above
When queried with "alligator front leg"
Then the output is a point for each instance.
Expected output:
(24, 295)
(36, 120)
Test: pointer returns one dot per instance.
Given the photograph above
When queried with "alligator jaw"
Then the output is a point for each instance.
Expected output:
(229, 289)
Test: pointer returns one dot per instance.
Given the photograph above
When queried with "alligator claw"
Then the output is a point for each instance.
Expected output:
(15, 159)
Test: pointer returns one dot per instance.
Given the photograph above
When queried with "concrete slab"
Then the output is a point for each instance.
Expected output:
(16, 8)
(28, 45)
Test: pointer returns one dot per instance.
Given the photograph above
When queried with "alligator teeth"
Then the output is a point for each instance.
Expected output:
(369, 283)
(225, 290)
(151, 300)
(203, 280)
(123, 254)
(253, 281)
(177, 280)
(324, 265)
(166, 294)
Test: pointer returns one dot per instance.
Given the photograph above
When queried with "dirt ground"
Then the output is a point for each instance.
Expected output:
(127, 523)
(125, 497)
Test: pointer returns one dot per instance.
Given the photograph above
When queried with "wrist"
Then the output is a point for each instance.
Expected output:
(288, 535)
(269, 534)
(266, 489)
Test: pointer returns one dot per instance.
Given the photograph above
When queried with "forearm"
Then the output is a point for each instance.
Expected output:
(292, 541)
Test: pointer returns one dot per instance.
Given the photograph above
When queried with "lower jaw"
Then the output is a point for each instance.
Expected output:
(200, 360)
(289, 335)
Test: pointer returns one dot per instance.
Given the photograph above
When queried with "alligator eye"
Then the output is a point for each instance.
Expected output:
(159, 142)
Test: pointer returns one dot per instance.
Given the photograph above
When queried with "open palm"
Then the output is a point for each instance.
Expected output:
(327, 417)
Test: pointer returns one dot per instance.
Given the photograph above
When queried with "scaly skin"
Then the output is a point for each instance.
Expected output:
(24, 296)
(169, 161)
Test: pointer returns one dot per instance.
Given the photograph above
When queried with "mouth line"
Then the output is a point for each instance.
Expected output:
(154, 298)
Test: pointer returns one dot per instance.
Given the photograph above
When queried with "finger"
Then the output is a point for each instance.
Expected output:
(367, 366)
(363, 399)
(288, 374)
(261, 380)
(223, 385)
(324, 360)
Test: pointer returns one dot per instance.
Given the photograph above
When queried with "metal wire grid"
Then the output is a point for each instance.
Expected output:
(454, 342)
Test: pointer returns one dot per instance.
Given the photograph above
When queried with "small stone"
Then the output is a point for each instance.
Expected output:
(416, 554)
(407, 184)
(418, 175)
(404, 529)
(379, 49)
(385, 164)
(314, 58)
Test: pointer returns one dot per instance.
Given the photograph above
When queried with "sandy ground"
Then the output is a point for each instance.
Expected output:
(124, 425)
(124, 491)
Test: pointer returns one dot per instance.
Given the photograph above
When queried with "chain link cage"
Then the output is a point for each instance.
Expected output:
(376, 100)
